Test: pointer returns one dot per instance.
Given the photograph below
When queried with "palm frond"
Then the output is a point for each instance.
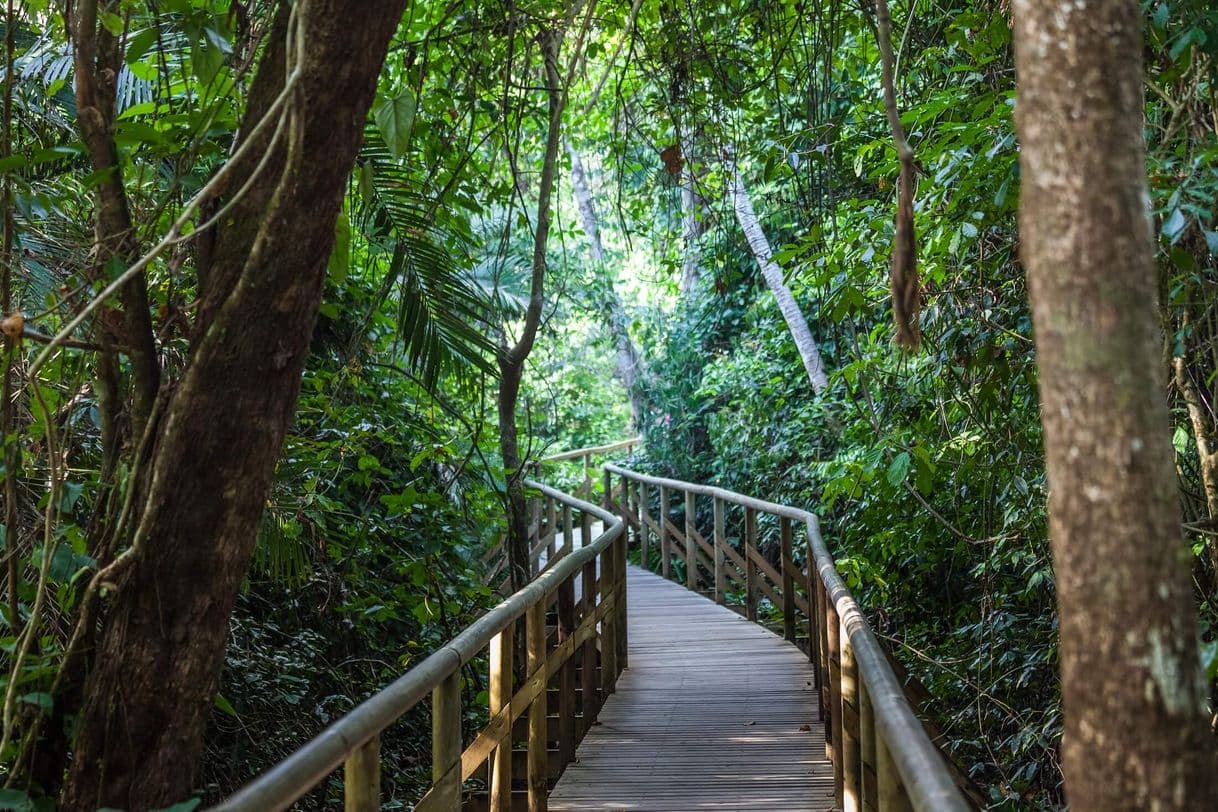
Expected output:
(441, 312)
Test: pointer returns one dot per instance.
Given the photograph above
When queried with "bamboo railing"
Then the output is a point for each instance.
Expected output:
(882, 757)
(573, 642)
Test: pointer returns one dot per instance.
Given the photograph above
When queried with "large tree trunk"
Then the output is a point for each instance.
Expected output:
(1132, 690)
(158, 660)
(796, 323)
(629, 362)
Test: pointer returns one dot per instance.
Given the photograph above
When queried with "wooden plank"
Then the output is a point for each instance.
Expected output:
(535, 649)
(691, 561)
(500, 697)
(720, 543)
(714, 713)
(665, 550)
(362, 778)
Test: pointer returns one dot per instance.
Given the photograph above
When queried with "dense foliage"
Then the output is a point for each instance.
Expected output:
(927, 467)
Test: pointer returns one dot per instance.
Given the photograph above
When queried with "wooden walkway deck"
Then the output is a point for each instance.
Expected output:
(714, 712)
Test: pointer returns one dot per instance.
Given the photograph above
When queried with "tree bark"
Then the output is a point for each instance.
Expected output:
(760, 246)
(629, 362)
(158, 660)
(694, 221)
(1132, 689)
(512, 358)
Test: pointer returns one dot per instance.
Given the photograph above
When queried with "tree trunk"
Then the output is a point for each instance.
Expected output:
(1132, 689)
(693, 221)
(512, 358)
(629, 362)
(796, 323)
(158, 660)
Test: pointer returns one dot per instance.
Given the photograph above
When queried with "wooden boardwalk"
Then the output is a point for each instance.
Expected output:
(713, 712)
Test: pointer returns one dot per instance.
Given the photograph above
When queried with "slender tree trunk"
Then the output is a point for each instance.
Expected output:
(693, 220)
(796, 323)
(1202, 437)
(157, 664)
(512, 358)
(1132, 689)
(629, 362)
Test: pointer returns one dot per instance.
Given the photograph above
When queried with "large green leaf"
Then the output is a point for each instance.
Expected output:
(394, 117)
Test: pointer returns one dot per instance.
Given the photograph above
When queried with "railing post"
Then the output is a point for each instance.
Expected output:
(589, 686)
(750, 566)
(645, 521)
(867, 748)
(446, 743)
(622, 631)
(811, 589)
(691, 556)
(834, 728)
(665, 542)
(788, 580)
(535, 650)
(609, 631)
(566, 674)
(891, 792)
(568, 537)
(502, 646)
(607, 498)
(852, 776)
(552, 516)
(720, 554)
(362, 778)
(586, 485)
(822, 635)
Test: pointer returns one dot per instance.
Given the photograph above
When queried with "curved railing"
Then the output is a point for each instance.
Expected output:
(882, 756)
(574, 641)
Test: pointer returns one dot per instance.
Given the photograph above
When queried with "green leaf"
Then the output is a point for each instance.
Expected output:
(1211, 240)
(1209, 659)
(184, 806)
(1159, 20)
(394, 117)
(41, 700)
(898, 469)
(224, 705)
(1174, 225)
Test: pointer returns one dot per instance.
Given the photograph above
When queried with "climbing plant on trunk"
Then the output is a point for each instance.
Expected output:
(1132, 689)
(155, 663)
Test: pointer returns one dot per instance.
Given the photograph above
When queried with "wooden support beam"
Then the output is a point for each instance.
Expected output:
(788, 580)
(891, 792)
(645, 527)
(852, 773)
(665, 551)
(589, 687)
(691, 560)
(535, 651)
(833, 729)
(501, 679)
(867, 749)
(446, 744)
(567, 738)
(720, 550)
(362, 778)
(750, 567)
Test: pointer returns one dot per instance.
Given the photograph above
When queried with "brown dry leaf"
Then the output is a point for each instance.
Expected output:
(13, 325)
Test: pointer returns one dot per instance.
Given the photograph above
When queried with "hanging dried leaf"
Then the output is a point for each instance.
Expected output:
(673, 162)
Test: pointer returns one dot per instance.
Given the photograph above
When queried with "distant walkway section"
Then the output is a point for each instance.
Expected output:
(713, 712)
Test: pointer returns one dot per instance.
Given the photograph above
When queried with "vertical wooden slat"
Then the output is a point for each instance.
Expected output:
(750, 568)
(891, 793)
(720, 555)
(867, 748)
(362, 778)
(788, 580)
(810, 589)
(566, 674)
(586, 486)
(691, 558)
(622, 630)
(568, 537)
(607, 498)
(589, 686)
(502, 646)
(852, 777)
(535, 650)
(822, 636)
(552, 518)
(662, 518)
(645, 516)
(608, 585)
(834, 728)
(446, 743)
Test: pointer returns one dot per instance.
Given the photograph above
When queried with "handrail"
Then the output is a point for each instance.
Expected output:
(867, 703)
(354, 738)
(591, 450)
